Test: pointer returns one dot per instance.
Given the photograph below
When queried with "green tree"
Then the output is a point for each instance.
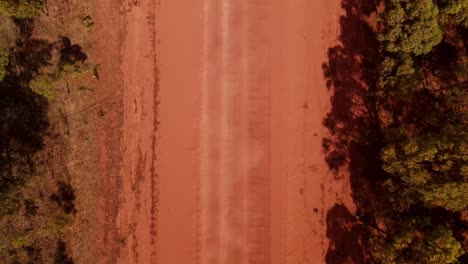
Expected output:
(428, 168)
(442, 247)
(21, 9)
(398, 76)
(454, 11)
(424, 148)
(410, 26)
(452, 196)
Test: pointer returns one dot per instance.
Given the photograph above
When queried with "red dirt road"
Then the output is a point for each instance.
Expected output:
(222, 131)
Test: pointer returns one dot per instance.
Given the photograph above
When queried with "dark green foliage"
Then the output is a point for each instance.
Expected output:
(424, 150)
(429, 169)
(398, 76)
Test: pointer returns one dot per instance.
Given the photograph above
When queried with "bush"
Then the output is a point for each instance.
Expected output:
(88, 22)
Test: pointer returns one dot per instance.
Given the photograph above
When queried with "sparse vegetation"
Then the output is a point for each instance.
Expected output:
(37, 202)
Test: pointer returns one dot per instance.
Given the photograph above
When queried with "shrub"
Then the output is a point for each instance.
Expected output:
(44, 85)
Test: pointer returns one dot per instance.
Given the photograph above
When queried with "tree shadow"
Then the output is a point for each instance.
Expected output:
(65, 197)
(23, 113)
(30, 56)
(345, 234)
(30, 207)
(352, 148)
(464, 34)
(71, 53)
(353, 122)
(61, 255)
(23, 119)
(25, 27)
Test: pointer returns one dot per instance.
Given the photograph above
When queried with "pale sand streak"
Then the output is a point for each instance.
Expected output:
(244, 127)
(225, 173)
(231, 236)
(204, 140)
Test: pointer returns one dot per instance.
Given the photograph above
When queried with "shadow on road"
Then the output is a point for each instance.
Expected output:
(344, 233)
(352, 147)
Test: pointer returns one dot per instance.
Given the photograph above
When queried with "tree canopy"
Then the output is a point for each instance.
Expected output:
(410, 26)
(420, 99)
(411, 244)
(430, 169)
(455, 11)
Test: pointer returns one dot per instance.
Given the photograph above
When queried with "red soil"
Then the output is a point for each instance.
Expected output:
(228, 167)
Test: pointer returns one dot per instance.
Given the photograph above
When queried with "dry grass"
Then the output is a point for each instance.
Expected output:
(74, 115)
(8, 32)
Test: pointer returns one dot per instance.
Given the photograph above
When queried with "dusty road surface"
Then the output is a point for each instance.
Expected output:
(221, 147)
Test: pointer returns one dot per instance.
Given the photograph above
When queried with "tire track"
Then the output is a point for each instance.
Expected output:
(234, 230)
